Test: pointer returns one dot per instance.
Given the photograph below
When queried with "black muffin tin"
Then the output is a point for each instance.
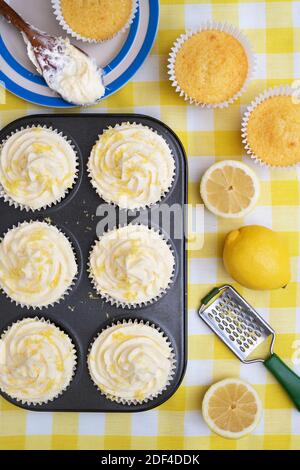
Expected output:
(82, 314)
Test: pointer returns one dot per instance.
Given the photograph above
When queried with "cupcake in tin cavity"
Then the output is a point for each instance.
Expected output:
(38, 166)
(37, 361)
(131, 266)
(211, 66)
(94, 20)
(271, 128)
(37, 264)
(131, 166)
(131, 362)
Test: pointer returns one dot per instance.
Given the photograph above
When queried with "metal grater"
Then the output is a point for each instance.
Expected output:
(236, 323)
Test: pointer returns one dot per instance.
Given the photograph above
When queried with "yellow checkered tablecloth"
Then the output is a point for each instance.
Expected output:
(274, 30)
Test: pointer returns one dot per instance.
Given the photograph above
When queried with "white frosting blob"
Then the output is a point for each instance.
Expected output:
(131, 264)
(131, 166)
(37, 264)
(37, 361)
(76, 76)
(37, 167)
(130, 361)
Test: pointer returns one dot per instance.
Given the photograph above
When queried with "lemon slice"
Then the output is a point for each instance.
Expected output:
(232, 408)
(229, 189)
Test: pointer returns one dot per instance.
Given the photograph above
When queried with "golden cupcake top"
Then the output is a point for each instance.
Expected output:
(131, 361)
(131, 166)
(131, 265)
(97, 19)
(211, 66)
(37, 361)
(37, 264)
(37, 167)
(273, 131)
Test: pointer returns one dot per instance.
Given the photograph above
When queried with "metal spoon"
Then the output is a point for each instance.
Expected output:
(46, 52)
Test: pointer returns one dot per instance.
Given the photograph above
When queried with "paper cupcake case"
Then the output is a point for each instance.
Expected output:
(57, 10)
(132, 305)
(61, 392)
(219, 26)
(66, 292)
(164, 194)
(24, 207)
(281, 90)
(172, 358)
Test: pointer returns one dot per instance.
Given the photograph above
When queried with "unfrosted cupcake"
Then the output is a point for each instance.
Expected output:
(131, 166)
(131, 266)
(94, 21)
(37, 168)
(37, 361)
(211, 66)
(131, 362)
(271, 128)
(37, 264)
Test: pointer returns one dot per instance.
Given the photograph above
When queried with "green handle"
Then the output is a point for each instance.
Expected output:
(210, 295)
(288, 379)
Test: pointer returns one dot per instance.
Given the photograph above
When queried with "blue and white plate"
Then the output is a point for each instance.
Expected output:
(120, 57)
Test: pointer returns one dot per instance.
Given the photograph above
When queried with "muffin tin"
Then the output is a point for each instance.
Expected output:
(82, 313)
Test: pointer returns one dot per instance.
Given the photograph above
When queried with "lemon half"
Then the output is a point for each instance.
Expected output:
(232, 408)
(230, 189)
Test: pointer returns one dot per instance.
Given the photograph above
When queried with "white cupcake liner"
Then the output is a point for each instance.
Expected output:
(132, 305)
(56, 5)
(61, 392)
(142, 206)
(219, 26)
(134, 401)
(20, 206)
(281, 90)
(65, 293)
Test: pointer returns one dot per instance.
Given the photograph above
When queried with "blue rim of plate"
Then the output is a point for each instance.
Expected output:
(118, 83)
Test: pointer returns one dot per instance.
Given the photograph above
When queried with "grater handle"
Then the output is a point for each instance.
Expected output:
(286, 377)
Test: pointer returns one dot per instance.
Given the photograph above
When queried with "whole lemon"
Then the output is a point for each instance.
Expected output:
(257, 258)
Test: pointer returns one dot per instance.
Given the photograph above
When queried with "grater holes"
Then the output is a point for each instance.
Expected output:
(242, 349)
(221, 326)
(231, 338)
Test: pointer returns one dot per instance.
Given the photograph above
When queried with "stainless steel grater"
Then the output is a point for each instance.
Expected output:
(247, 334)
(236, 323)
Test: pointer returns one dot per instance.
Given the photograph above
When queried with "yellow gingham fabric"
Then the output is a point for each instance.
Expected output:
(274, 30)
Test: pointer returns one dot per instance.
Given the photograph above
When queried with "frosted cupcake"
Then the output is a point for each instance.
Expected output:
(94, 21)
(37, 264)
(37, 361)
(131, 362)
(211, 66)
(131, 266)
(271, 128)
(37, 168)
(131, 166)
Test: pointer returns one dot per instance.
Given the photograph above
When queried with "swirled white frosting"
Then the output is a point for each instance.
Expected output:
(37, 264)
(130, 361)
(37, 361)
(37, 167)
(131, 166)
(131, 264)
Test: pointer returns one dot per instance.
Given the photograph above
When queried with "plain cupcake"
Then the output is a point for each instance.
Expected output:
(271, 128)
(37, 361)
(212, 65)
(37, 264)
(38, 167)
(131, 166)
(131, 362)
(95, 21)
(131, 266)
